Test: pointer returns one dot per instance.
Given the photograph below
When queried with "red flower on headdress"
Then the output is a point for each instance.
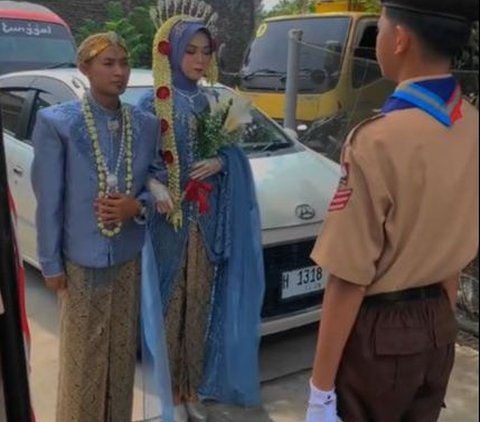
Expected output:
(164, 48)
(163, 93)
(164, 126)
(168, 156)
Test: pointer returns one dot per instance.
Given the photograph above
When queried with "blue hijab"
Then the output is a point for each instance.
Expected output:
(181, 35)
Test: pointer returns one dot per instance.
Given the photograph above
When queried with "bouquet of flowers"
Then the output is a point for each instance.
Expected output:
(221, 124)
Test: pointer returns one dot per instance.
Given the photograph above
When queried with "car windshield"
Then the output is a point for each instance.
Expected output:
(261, 135)
(324, 39)
(28, 45)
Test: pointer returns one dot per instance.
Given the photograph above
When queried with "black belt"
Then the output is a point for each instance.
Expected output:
(419, 293)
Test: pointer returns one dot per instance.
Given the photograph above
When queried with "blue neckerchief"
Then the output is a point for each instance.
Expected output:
(440, 98)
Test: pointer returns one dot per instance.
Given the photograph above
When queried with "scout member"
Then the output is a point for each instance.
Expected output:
(401, 227)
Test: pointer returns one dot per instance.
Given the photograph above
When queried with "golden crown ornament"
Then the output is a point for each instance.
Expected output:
(190, 10)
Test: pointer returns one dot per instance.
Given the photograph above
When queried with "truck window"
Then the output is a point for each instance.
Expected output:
(365, 65)
(322, 50)
(28, 45)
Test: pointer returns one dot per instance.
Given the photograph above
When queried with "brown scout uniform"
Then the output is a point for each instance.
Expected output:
(405, 216)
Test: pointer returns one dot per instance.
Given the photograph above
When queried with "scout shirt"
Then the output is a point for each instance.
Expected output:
(405, 214)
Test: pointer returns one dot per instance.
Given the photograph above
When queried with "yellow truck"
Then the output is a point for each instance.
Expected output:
(339, 81)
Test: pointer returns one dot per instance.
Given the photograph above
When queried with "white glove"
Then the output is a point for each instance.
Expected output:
(322, 406)
(163, 200)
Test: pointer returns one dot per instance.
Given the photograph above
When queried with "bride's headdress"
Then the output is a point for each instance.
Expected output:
(167, 16)
(193, 10)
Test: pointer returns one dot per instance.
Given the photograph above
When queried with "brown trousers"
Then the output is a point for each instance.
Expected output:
(99, 315)
(397, 362)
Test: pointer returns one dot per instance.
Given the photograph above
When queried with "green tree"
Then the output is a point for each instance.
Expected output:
(136, 27)
(371, 5)
(295, 7)
(290, 7)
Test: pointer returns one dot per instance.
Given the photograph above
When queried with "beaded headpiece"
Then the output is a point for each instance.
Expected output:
(95, 44)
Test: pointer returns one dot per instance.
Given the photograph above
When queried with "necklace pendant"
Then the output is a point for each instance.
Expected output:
(113, 125)
(112, 182)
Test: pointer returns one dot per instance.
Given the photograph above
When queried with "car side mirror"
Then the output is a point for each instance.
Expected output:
(318, 76)
(333, 56)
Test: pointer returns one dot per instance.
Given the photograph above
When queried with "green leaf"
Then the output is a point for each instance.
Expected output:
(135, 27)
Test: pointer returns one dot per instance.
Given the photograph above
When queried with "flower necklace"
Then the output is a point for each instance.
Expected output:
(112, 176)
(189, 97)
(108, 180)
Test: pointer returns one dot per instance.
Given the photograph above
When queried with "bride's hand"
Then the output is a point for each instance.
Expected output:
(206, 168)
(163, 200)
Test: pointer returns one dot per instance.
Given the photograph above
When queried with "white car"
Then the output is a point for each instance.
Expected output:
(294, 187)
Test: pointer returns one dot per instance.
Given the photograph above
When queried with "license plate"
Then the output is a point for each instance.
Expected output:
(302, 281)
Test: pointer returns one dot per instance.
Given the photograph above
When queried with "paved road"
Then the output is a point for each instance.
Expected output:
(285, 363)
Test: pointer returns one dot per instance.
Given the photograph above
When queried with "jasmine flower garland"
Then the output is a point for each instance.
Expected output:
(102, 172)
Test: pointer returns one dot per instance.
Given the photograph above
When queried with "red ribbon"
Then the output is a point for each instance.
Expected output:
(198, 192)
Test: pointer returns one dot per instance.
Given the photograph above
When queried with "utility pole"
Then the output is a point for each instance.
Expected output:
(291, 89)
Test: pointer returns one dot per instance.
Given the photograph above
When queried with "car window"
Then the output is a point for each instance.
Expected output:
(33, 45)
(365, 65)
(42, 100)
(11, 104)
(323, 42)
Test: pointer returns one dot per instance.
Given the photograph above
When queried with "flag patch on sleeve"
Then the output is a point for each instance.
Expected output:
(340, 200)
